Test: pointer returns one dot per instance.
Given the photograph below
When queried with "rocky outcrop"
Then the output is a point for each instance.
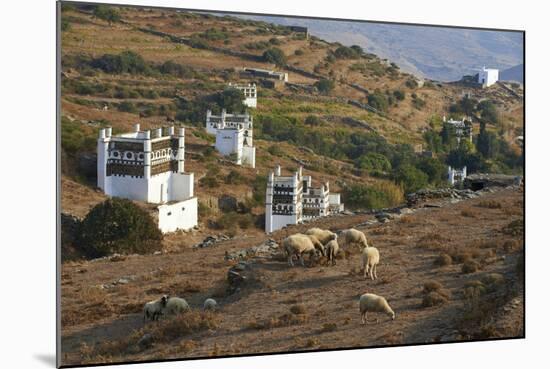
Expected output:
(265, 249)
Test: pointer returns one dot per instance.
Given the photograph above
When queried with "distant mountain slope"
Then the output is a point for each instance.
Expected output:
(512, 74)
(439, 53)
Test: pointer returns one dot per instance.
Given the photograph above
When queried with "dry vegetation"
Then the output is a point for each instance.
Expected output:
(307, 308)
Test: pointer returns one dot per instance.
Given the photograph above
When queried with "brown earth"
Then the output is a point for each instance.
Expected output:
(102, 325)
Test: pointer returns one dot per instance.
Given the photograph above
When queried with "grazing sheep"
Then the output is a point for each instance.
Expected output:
(352, 236)
(153, 309)
(299, 244)
(373, 303)
(210, 304)
(322, 235)
(175, 305)
(332, 250)
(370, 259)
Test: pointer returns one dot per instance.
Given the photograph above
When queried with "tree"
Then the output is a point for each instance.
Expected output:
(488, 111)
(231, 99)
(107, 13)
(487, 142)
(378, 101)
(374, 163)
(434, 168)
(433, 141)
(275, 56)
(118, 226)
(411, 178)
(324, 86)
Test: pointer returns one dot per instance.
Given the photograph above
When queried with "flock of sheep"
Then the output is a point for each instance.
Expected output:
(319, 241)
(314, 242)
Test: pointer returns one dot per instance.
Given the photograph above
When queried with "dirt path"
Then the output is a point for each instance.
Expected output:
(329, 294)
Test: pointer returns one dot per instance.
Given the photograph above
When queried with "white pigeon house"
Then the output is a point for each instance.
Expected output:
(249, 91)
(234, 136)
(487, 77)
(148, 166)
(293, 199)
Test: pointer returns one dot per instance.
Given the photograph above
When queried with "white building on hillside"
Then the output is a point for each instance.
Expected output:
(148, 166)
(234, 136)
(456, 176)
(487, 77)
(460, 129)
(292, 199)
(249, 91)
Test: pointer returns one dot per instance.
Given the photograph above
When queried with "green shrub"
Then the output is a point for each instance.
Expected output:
(275, 56)
(234, 177)
(378, 101)
(118, 226)
(376, 196)
(324, 86)
(399, 95)
(107, 13)
(411, 178)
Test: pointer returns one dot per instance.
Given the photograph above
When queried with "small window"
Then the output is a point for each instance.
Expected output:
(169, 213)
(183, 208)
(140, 156)
(128, 155)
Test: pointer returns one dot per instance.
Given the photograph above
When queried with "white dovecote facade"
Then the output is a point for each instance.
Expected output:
(283, 200)
(456, 176)
(461, 129)
(234, 136)
(148, 166)
(293, 199)
(249, 91)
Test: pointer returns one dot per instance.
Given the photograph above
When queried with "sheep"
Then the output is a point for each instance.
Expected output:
(174, 306)
(373, 303)
(299, 244)
(210, 304)
(324, 236)
(153, 309)
(370, 259)
(332, 250)
(352, 236)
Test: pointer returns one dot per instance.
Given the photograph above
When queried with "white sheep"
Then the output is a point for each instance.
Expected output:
(324, 236)
(210, 304)
(373, 303)
(332, 250)
(153, 309)
(352, 236)
(299, 244)
(174, 306)
(370, 258)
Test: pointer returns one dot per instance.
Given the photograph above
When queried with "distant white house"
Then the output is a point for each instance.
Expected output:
(249, 91)
(487, 77)
(234, 136)
(148, 166)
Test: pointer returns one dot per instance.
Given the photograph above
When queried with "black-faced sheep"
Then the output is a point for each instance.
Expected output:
(153, 309)
(332, 249)
(374, 303)
(370, 258)
(351, 237)
(174, 306)
(324, 236)
(299, 244)
(210, 304)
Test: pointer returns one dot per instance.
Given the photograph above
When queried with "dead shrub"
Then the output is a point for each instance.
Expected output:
(432, 241)
(406, 219)
(443, 259)
(510, 246)
(490, 204)
(329, 327)
(514, 228)
(473, 289)
(431, 286)
(470, 266)
(312, 342)
(183, 324)
(188, 345)
(468, 213)
(298, 309)
(433, 299)
(493, 281)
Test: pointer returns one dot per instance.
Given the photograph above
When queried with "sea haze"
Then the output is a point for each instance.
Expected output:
(440, 53)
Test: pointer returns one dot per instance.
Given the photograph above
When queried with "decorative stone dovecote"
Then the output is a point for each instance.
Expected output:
(148, 166)
(249, 91)
(292, 199)
(234, 136)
